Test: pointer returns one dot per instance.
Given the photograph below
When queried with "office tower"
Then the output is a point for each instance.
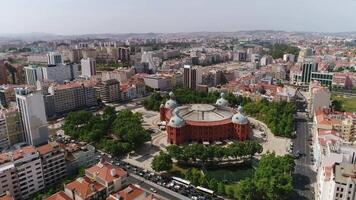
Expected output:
(88, 67)
(3, 74)
(33, 73)
(307, 68)
(54, 58)
(33, 117)
(192, 77)
(60, 73)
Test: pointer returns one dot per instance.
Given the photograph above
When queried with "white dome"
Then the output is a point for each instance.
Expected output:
(238, 118)
(176, 121)
(222, 101)
(171, 104)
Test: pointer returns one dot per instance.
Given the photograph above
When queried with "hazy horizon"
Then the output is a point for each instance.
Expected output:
(78, 17)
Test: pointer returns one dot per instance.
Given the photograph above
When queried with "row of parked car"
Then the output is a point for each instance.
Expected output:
(167, 182)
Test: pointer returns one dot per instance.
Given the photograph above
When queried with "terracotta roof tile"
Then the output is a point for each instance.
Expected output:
(58, 196)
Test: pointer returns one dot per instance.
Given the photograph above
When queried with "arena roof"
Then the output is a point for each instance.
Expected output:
(204, 112)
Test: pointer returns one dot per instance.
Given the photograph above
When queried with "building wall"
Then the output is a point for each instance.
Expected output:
(206, 133)
(33, 117)
(53, 166)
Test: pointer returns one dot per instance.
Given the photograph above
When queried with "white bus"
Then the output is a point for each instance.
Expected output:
(181, 181)
(204, 190)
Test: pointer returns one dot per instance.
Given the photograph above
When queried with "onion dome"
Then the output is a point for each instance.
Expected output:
(171, 103)
(176, 121)
(239, 118)
(222, 101)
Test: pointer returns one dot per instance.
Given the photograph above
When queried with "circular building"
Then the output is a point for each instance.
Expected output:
(203, 122)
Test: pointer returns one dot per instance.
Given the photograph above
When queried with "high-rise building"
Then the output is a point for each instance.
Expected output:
(3, 74)
(33, 74)
(307, 68)
(124, 54)
(88, 67)
(33, 117)
(54, 58)
(60, 73)
(110, 90)
(192, 77)
(304, 76)
(10, 127)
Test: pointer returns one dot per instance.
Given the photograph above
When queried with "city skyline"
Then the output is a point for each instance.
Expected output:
(68, 17)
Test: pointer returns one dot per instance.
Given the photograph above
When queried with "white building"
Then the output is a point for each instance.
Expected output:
(33, 73)
(33, 117)
(54, 58)
(60, 73)
(21, 173)
(288, 57)
(88, 67)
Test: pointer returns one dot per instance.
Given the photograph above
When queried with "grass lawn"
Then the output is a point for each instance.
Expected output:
(348, 102)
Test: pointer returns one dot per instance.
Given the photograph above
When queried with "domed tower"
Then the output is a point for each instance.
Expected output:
(241, 126)
(175, 128)
(171, 104)
(222, 101)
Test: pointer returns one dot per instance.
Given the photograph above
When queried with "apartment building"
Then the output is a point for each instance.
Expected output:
(342, 122)
(10, 127)
(108, 175)
(6, 196)
(109, 90)
(53, 163)
(319, 98)
(78, 156)
(21, 172)
(131, 192)
(99, 182)
(337, 182)
(64, 98)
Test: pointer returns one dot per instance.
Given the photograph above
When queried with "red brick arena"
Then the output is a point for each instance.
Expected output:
(203, 122)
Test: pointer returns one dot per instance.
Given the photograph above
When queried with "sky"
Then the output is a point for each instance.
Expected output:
(72, 17)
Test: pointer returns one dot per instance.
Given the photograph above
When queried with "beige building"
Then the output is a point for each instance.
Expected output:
(109, 90)
(10, 127)
(319, 98)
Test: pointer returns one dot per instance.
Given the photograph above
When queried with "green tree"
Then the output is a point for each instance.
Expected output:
(245, 190)
(162, 162)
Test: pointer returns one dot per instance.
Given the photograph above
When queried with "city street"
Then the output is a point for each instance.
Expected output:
(167, 194)
(304, 176)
